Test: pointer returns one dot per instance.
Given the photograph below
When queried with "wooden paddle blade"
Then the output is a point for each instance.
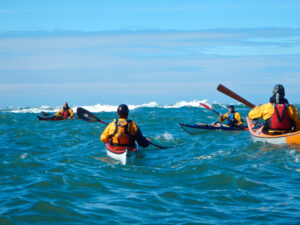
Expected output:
(233, 95)
(86, 115)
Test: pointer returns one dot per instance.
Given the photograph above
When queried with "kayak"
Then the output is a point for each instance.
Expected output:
(54, 118)
(51, 118)
(198, 128)
(281, 139)
(120, 153)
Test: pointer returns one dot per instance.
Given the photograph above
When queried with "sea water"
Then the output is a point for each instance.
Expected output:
(58, 172)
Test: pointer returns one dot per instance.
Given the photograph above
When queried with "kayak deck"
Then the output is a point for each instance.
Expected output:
(282, 139)
(54, 118)
(199, 127)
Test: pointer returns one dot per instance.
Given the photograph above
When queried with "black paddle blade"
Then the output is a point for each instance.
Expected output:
(86, 115)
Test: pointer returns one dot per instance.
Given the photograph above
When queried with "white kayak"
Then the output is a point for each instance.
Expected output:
(121, 153)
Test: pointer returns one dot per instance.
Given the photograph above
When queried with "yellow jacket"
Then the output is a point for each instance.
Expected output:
(110, 130)
(265, 111)
(60, 113)
(237, 116)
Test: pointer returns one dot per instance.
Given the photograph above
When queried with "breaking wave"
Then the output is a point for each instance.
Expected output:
(110, 108)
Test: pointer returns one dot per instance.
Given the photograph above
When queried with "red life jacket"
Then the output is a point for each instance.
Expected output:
(65, 113)
(280, 119)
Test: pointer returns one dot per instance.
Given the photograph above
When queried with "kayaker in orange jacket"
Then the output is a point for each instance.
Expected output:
(234, 118)
(123, 132)
(65, 112)
(279, 116)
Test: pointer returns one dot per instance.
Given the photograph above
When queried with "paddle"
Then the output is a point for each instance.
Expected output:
(207, 107)
(233, 95)
(90, 117)
(164, 147)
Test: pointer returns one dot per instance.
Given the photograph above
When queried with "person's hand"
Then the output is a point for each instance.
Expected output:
(148, 139)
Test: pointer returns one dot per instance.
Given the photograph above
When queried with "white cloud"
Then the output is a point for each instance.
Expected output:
(169, 62)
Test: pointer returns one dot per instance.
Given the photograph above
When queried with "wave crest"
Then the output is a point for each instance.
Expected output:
(107, 108)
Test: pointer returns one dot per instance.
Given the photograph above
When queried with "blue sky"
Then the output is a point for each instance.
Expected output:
(109, 52)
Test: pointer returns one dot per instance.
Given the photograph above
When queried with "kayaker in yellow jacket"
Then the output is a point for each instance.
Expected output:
(279, 116)
(234, 118)
(65, 112)
(123, 132)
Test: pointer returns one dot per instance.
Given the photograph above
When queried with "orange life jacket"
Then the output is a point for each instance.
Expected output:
(122, 136)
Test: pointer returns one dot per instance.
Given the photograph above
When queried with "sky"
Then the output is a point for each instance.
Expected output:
(134, 52)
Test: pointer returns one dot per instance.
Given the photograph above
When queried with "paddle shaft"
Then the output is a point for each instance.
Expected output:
(161, 147)
(233, 95)
(207, 107)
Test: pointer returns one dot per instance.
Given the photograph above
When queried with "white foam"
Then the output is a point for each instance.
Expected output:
(108, 108)
(194, 103)
(166, 136)
(23, 156)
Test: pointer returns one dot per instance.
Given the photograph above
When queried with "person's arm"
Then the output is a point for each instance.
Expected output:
(222, 118)
(294, 115)
(239, 119)
(71, 113)
(141, 140)
(59, 113)
(255, 113)
(105, 134)
(264, 111)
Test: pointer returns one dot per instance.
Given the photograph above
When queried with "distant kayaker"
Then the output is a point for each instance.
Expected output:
(234, 118)
(279, 116)
(65, 112)
(123, 132)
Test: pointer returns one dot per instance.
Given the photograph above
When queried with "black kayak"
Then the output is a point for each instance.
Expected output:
(53, 118)
(200, 127)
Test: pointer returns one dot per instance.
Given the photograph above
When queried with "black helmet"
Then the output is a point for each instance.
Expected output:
(231, 106)
(66, 106)
(279, 89)
(123, 110)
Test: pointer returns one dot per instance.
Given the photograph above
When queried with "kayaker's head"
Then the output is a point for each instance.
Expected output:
(278, 94)
(123, 111)
(66, 106)
(231, 108)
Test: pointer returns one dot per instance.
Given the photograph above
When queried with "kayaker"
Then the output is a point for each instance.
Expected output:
(234, 118)
(123, 132)
(280, 117)
(65, 112)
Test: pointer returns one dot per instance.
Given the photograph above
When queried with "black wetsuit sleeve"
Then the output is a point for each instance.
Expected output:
(141, 140)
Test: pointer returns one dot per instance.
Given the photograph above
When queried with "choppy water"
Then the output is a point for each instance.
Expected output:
(49, 174)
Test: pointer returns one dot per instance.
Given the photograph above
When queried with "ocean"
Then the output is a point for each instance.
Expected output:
(57, 172)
